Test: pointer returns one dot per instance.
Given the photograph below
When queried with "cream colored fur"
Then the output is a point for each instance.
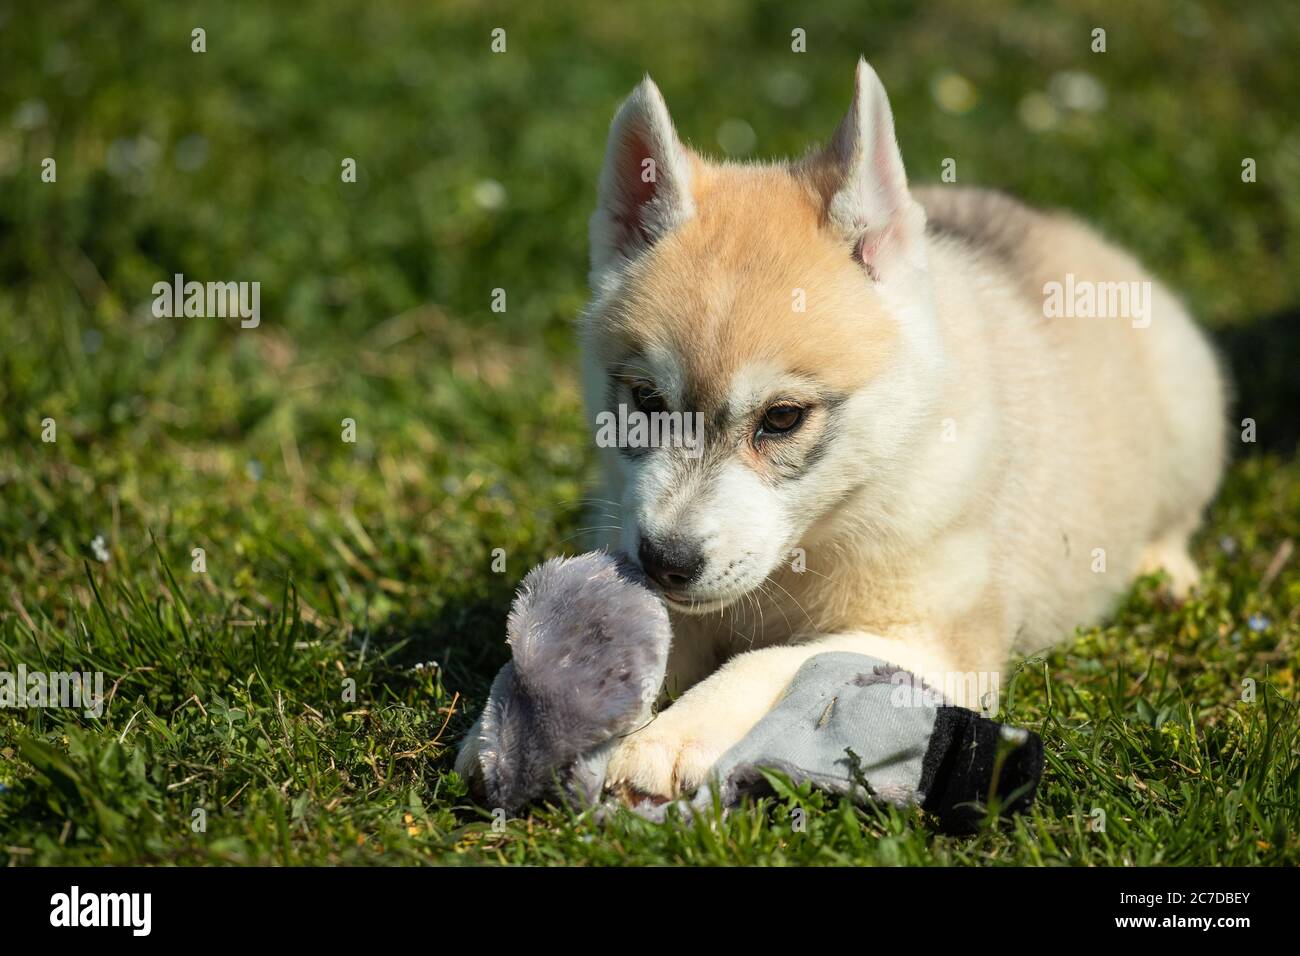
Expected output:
(973, 481)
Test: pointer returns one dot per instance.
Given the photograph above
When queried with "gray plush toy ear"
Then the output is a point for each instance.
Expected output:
(590, 647)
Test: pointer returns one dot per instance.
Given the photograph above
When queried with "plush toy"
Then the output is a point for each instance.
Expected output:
(589, 644)
(589, 647)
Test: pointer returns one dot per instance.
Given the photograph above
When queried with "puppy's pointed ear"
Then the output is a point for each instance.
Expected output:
(645, 186)
(864, 185)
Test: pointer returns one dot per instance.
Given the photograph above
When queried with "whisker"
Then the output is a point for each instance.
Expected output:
(581, 531)
(802, 611)
(777, 604)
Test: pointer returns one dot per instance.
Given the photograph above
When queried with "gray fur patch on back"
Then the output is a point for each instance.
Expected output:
(988, 224)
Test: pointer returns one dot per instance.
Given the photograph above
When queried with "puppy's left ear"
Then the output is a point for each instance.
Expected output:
(864, 185)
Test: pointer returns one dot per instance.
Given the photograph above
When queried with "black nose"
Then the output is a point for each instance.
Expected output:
(672, 564)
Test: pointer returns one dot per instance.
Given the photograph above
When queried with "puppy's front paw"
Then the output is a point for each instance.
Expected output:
(672, 756)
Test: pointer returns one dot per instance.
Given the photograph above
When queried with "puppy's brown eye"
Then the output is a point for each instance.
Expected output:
(647, 399)
(781, 418)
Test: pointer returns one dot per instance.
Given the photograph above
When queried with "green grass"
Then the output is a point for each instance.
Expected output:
(329, 562)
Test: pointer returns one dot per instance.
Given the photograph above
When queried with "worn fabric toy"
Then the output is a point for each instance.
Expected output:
(589, 645)
(854, 725)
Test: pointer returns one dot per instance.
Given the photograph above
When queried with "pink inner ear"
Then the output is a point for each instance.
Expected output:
(634, 150)
(867, 250)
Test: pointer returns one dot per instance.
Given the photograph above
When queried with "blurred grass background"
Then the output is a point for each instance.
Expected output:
(476, 171)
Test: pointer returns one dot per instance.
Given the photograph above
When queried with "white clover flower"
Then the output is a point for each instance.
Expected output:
(1015, 735)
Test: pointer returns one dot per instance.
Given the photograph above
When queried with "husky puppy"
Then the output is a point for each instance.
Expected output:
(932, 430)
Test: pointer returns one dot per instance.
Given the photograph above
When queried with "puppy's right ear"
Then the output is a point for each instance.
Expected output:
(645, 186)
